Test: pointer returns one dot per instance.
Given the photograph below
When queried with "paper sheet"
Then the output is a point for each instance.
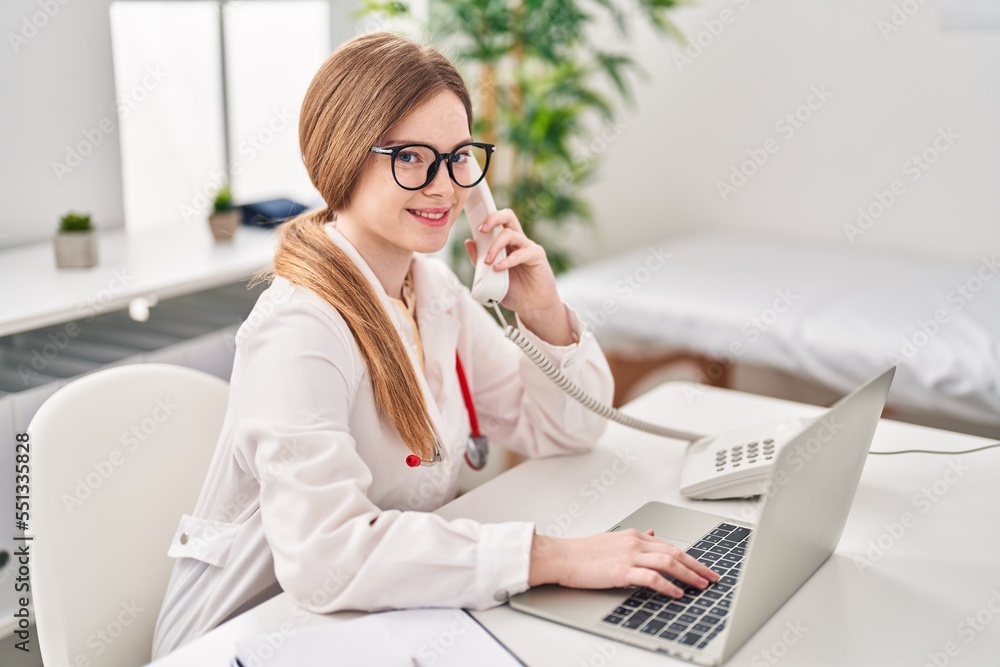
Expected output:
(410, 638)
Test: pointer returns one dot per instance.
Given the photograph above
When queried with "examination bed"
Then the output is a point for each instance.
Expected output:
(832, 314)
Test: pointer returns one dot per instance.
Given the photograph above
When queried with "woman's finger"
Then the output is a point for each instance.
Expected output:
(519, 256)
(687, 560)
(698, 567)
(642, 576)
(505, 217)
(505, 239)
(671, 565)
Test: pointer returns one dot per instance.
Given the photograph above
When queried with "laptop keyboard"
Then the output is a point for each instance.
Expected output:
(697, 618)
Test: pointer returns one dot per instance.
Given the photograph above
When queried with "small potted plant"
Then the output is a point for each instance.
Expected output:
(225, 217)
(76, 241)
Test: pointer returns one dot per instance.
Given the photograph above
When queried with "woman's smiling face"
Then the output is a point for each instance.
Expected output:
(392, 222)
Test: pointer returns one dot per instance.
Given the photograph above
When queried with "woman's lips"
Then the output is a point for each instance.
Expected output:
(431, 217)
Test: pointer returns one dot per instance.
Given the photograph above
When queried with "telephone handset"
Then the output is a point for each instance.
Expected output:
(488, 285)
(703, 475)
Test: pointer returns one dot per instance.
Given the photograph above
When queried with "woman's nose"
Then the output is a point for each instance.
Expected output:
(441, 183)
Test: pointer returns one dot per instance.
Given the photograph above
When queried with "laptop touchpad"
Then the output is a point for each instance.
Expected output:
(680, 544)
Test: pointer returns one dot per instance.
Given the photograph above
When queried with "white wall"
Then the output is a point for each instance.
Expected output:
(660, 173)
(697, 120)
(57, 94)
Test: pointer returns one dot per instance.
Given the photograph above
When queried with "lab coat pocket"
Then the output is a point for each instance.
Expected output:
(204, 540)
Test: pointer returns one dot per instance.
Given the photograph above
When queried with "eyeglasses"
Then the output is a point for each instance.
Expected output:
(414, 166)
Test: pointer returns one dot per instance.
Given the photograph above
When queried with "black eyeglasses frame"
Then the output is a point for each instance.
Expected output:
(432, 168)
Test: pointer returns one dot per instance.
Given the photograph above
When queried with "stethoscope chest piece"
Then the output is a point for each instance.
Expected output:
(477, 451)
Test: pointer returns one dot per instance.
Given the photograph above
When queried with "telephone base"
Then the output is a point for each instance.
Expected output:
(737, 463)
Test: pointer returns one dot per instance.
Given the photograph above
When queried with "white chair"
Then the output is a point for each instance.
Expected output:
(116, 457)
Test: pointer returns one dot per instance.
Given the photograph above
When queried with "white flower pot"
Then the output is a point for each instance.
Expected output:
(75, 249)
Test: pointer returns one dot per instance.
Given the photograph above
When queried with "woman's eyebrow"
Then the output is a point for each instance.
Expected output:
(398, 142)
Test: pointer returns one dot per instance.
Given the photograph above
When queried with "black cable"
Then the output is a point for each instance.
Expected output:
(936, 451)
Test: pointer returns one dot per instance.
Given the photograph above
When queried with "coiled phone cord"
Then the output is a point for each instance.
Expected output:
(579, 394)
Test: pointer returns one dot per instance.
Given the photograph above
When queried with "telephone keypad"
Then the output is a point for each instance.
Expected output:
(747, 453)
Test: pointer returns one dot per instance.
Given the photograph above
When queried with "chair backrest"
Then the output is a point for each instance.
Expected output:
(116, 457)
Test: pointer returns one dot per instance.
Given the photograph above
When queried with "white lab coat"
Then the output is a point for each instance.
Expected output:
(308, 491)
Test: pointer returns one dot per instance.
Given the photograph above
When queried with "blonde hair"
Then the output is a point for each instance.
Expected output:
(362, 90)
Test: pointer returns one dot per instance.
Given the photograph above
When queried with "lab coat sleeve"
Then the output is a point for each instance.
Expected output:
(521, 408)
(332, 547)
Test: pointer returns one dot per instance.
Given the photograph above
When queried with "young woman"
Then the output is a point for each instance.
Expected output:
(346, 369)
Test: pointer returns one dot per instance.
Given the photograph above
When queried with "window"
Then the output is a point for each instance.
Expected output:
(209, 92)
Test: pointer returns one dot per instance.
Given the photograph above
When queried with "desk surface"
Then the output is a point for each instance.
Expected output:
(929, 588)
(162, 262)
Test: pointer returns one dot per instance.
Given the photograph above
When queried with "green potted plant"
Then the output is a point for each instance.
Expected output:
(225, 217)
(76, 241)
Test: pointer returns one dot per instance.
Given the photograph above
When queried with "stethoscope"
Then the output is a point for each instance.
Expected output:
(478, 447)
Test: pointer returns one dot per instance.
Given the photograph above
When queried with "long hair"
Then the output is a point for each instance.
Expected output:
(362, 90)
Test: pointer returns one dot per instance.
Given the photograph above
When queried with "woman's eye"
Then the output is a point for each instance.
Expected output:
(461, 158)
(408, 157)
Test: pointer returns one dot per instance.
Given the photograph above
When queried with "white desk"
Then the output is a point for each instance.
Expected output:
(163, 263)
(913, 600)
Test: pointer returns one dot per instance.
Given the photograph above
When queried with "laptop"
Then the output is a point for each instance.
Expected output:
(802, 516)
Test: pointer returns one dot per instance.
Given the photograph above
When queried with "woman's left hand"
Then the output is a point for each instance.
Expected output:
(532, 293)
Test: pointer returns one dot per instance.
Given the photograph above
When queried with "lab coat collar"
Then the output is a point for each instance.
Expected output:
(344, 244)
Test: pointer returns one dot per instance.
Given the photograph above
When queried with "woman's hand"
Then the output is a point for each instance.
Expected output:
(532, 293)
(613, 560)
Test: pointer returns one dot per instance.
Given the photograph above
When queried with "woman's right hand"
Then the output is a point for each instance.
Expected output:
(614, 560)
